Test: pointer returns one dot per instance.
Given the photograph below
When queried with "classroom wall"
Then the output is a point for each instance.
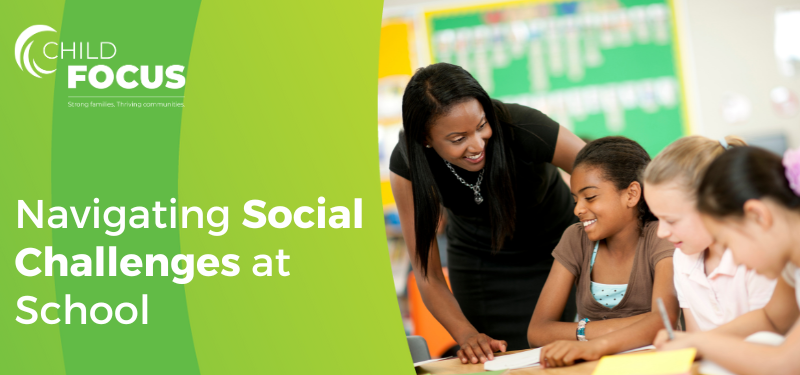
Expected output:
(727, 53)
(728, 47)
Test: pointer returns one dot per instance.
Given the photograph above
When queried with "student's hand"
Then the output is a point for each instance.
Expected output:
(662, 337)
(681, 342)
(565, 353)
(479, 347)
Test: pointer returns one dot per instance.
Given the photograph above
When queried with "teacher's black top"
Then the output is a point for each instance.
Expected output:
(544, 203)
(497, 291)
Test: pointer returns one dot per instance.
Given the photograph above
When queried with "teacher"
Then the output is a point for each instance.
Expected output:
(493, 167)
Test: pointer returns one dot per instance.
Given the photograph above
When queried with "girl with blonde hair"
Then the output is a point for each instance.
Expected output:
(749, 200)
(712, 290)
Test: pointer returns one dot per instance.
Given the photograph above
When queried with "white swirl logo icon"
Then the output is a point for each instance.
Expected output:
(23, 58)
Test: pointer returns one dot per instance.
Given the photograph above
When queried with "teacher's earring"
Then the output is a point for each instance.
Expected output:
(428, 146)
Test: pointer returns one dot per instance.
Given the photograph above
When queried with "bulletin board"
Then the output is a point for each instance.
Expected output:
(598, 67)
(397, 58)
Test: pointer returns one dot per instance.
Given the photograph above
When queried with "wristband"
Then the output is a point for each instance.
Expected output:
(581, 331)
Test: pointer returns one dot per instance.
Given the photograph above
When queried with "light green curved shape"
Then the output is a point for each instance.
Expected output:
(125, 157)
(281, 107)
(26, 118)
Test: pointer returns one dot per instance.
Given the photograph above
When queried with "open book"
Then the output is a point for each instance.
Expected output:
(529, 358)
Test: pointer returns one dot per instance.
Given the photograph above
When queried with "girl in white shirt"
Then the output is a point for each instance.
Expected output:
(749, 200)
(712, 290)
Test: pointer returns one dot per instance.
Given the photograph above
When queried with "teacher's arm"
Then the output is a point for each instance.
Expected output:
(475, 346)
(567, 147)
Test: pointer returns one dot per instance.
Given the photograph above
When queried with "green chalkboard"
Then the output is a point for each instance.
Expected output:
(599, 67)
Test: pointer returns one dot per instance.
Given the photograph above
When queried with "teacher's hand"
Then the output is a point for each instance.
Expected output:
(479, 347)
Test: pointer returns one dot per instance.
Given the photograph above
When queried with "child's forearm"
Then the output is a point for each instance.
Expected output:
(747, 324)
(638, 334)
(543, 334)
(744, 357)
(546, 332)
(598, 328)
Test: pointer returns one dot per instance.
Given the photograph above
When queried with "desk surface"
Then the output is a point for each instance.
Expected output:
(454, 366)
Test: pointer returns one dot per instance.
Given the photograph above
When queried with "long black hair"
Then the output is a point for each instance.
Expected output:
(622, 161)
(741, 174)
(431, 93)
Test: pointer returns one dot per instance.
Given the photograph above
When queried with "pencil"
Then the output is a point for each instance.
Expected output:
(665, 318)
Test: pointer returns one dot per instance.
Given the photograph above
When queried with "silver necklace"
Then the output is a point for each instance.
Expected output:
(475, 188)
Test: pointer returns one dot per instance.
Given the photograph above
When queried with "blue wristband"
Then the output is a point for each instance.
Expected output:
(581, 332)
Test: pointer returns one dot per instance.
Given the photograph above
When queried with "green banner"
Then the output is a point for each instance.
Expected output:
(197, 184)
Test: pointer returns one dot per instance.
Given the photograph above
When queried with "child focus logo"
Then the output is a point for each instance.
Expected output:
(24, 57)
(84, 69)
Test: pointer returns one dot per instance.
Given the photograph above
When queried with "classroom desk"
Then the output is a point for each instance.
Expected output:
(454, 366)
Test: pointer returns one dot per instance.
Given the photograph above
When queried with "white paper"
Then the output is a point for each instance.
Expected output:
(626, 94)
(420, 363)
(638, 17)
(554, 53)
(519, 38)
(512, 361)
(530, 358)
(659, 19)
(666, 91)
(613, 111)
(590, 99)
(622, 25)
(575, 70)
(572, 99)
(710, 368)
(646, 95)
(590, 41)
(648, 347)
(540, 81)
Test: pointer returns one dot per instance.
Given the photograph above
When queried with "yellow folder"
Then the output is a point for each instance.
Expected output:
(673, 362)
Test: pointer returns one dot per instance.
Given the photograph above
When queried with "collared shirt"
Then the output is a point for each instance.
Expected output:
(722, 295)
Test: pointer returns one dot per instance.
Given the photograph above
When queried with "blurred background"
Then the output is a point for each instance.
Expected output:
(649, 70)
